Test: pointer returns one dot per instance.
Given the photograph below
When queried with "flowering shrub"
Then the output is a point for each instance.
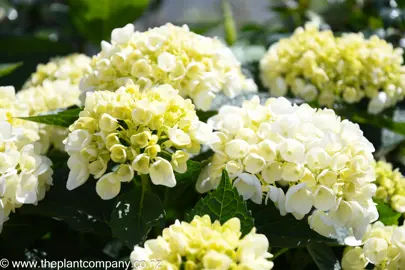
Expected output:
(316, 65)
(382, 246)
(321, 161)
(25, 175)
(202, 244)
(197, 66)
(134, 130)
(390, 186)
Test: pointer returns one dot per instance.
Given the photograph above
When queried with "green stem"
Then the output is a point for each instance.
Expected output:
(278, 253)
(145, 182)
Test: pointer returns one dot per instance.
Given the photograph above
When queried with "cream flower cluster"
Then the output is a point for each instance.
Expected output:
(316, 65)
(136, 130)
(390, 186)
(382, 246)
(202, 244)
(54, 86)
(197, 66)
(25, 175)
(50, 96)
(320, 161)
(71, 68)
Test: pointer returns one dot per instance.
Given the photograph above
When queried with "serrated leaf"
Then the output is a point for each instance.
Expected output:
(323, 256)
(136, 212)
(95, 19)
(284, 231)
(62, 118)
(6, 69)
(386, 214)
(223, 204)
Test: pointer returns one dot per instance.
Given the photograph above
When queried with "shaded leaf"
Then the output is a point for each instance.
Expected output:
(95, 19)
(223, 204)
(204, 116)
(284, 231)
(323, 256)
(136, 212)
(6, 69)
(62, 118)
(386, 214)
(82, 209)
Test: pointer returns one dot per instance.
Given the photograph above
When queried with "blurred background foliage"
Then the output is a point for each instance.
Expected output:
(33, 31)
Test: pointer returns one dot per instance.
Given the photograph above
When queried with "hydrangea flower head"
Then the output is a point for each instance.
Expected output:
(202, 244)
(71, 68)
(390, 186)
(382, 246)
(197, 66)
(54, 86)
(316, 65)
(25, 175)
(304, 160)
(135, 130)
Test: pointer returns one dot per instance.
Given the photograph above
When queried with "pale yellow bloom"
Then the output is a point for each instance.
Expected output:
(202, 244)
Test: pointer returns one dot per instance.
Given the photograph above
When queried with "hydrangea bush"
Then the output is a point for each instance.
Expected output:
(180, 184)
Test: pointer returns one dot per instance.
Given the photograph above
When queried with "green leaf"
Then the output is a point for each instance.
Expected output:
(6, 69)
(95, 19)
(231, 34)
(223, 204)
(323, 256)
(284, 231)
(204, 116)
(136, 212)
(81, 208)
(62, 118)
(386, 214)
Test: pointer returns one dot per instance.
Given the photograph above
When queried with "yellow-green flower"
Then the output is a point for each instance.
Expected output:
(382, 246)
(197, 66)
(390, 186)
(202, 244)
(316, 65)
(145, 132)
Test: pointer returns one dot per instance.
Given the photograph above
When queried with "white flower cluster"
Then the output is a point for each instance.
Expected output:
(54, 86)
(71, 68)
(24, 174)
(197, 66)
(320, 161)
(382, 246)
(318, 66)
(202, 244)
(137, 131)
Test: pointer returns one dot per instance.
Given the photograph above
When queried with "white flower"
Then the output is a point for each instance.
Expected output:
(122, 35)
(353, 259)
(298, 200)
(249, 187)
(320, 222)
(254, 163)
(166, 61)
(77, 140)
(237, 148)
(322, 163)
(161, 173)
(375, 250)
(378, 103)
(179, 137)
(79, 171)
